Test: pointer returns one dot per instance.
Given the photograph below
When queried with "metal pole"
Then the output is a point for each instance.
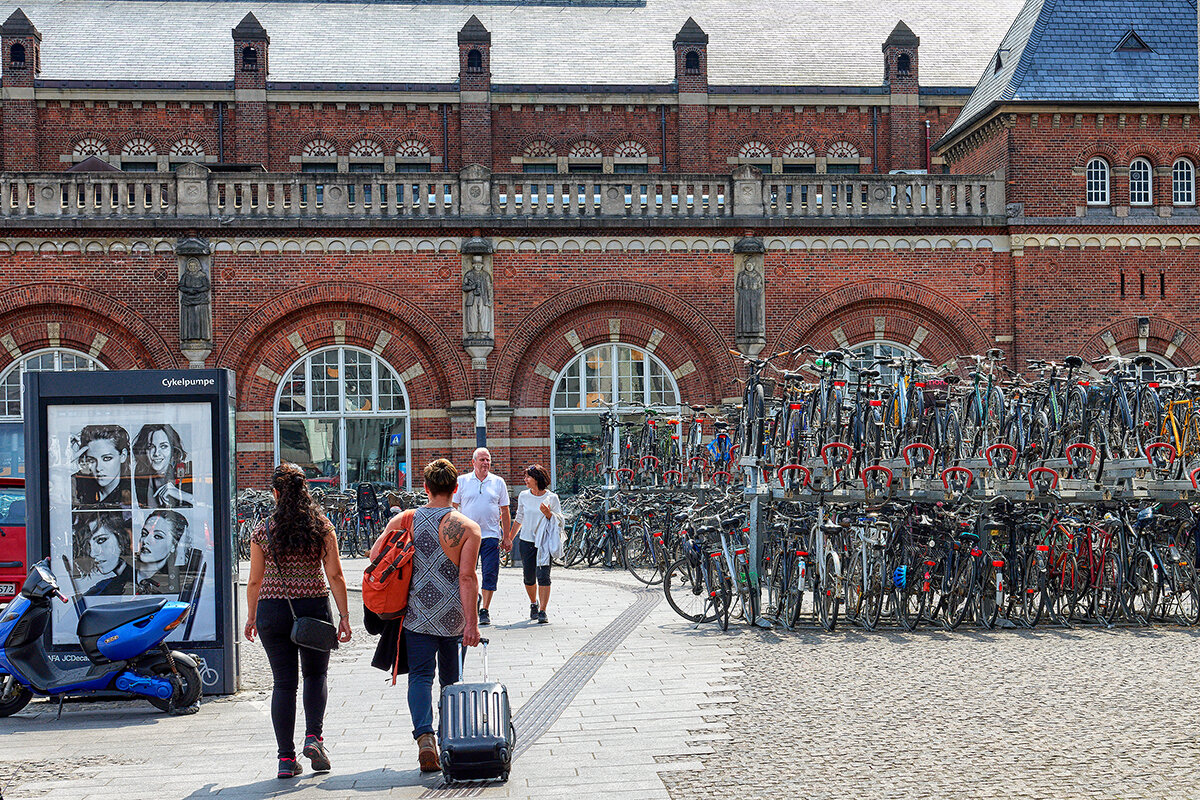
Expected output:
(480, 422)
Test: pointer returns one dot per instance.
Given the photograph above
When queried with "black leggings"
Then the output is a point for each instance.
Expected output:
(530, 566)
(274, 630)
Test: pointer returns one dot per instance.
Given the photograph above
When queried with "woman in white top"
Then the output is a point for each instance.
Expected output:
(539, 523)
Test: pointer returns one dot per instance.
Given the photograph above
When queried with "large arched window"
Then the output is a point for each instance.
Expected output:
(865, 356)
(1156, 370)
(1140, 188)
(12, 426)
(1097, 182)
(342, 415)
(611, 373)
(1183, 183)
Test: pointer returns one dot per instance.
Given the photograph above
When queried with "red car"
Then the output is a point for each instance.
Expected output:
(12, 537)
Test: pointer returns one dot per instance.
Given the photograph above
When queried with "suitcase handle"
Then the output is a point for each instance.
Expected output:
(462, 652)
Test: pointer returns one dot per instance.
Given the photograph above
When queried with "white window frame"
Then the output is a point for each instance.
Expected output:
(341, 414)
(1183, 189)
(1098, 182)
(875, 345)
(614, 394)
(19, 364)
(1141, 187)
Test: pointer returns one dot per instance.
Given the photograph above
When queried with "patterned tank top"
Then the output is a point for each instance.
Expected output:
(434, 604)
(294, 578)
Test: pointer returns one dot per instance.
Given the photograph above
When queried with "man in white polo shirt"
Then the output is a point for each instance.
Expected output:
(482, 497)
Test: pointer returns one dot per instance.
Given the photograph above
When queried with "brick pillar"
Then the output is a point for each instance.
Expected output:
(21, 44)
(251, 133)
(691, 82)
(906, 138)
(475, 93)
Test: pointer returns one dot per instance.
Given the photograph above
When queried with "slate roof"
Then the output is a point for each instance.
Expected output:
(1066, 51)
(753, 42)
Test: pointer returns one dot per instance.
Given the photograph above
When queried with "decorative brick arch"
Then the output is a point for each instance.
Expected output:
(1163, 336)
(1098, 149)
(261, 340)
(684, 335)
(85, 319)
(906, 308)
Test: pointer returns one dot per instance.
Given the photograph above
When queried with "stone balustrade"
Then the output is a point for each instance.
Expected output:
(193, 192)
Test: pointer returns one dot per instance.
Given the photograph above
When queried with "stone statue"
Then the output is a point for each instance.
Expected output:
(748, 313)
(477, 301)
(195, 299)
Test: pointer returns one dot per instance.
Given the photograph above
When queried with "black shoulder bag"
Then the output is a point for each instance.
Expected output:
(311, 632)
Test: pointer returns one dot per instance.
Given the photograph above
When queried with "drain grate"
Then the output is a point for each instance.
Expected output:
(541, 710)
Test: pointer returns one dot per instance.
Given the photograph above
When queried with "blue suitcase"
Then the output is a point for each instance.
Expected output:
(476, 733)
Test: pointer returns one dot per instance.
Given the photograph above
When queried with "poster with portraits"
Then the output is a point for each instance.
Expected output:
(131, 509)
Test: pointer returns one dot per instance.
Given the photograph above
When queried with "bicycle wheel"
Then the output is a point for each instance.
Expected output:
(684, 589)
(1030, 592)
(872, 599)
(1143, 588)
(573, 549)
(797, 577)
(1147, 420)
(1108, 590)
(748, 597)
(1186, 605)
(990, 592)
(828, 593)
(719, 591)
(852, 586)
(958, 588)
(910, 597)
(641, 555)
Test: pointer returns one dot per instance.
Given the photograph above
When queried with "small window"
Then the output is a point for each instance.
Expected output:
(1132, 43)
(249, 59)
(842, 169)
(1097, 182)
(631, 169)
(529, 169)
(474, 61)
(691, 62)
(17, 55)
(904, 65)
(1183, 183)
(1140, 188)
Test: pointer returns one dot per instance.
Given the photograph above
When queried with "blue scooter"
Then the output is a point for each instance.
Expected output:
(124, 642)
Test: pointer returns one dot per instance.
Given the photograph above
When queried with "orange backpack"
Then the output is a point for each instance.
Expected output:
(386, 579)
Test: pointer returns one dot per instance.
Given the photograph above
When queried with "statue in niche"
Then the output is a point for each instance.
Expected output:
(195, 302)
(477, 301)
(748, 312)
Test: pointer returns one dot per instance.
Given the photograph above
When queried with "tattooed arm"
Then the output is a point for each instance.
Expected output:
(460, 537)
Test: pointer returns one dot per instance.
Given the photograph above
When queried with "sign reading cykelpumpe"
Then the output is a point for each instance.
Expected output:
(129, 489)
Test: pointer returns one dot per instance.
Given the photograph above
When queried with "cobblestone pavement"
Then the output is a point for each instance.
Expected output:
(673, 712)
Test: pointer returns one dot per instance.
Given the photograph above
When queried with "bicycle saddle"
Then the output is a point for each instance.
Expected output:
(834, 355)
(953, 379)
(707, 531)
(696, 408)
(868, 373)
(682, 516)
(1074, 362)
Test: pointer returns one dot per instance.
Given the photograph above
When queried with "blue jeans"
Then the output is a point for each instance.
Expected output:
(489, 563)
(426, 651)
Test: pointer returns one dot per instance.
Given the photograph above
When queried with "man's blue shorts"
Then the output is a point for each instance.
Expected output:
(489, 563)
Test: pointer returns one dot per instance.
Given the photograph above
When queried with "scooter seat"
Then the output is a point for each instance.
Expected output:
(102, 619)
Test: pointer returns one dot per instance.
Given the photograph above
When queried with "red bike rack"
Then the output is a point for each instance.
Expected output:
(625, 469)
(1007, 448)
(1192, 475)
(876, 468)
(837, 446)
(949, 471)
(733, 448)
(703, 462)
(1040, 470)
(644, 459)
(1090, 449)
(728, 477)
(926, 448)
(795, 468)
(1166, 447)
(677, 473)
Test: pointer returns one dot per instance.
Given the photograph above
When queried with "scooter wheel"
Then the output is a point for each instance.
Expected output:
(14, 700)
(187, 687)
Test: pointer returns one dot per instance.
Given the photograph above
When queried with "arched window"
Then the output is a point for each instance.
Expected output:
(691, 62)
(474, 60)
(865, 355)
(610, 373)
(1183, 183)
(539, 156)
(12, 426)
(366, 156)
(16, 55)
(249, 59)
(342, 415)
(319, 155)
(1097, 182)
(1140, 186)
(413, 156)
(89, 146)
(1156, 370)
(630, 156)
(903, 65)
(139, 155)
(585, 156)
(842, 158)
(799, 158)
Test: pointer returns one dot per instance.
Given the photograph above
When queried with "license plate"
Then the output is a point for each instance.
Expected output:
(7, 588)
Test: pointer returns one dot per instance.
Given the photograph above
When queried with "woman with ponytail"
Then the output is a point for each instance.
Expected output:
(287, 555)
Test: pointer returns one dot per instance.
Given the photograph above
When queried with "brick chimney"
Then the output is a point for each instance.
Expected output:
(475, 93)
(21, 44)
(906, 131)
(251, 133)
(691, 82)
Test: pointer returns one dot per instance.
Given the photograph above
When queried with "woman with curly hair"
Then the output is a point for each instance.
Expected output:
(287, 555)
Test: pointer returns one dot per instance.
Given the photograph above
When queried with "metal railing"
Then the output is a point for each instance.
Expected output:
(194, 192)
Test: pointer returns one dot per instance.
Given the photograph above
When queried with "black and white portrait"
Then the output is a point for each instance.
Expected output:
(162, 476)
(101, 455)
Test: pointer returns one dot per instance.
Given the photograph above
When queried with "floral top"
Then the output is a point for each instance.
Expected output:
(294, 578)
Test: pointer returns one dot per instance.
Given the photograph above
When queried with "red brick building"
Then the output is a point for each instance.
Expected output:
(561, 215)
